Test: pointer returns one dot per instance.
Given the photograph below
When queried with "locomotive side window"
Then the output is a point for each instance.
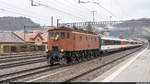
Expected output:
(86, 38)
(80, 38)
(74, 36)
(62, 35)
(68, 35)
(51, 36)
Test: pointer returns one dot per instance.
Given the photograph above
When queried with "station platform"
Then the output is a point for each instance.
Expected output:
(134, 69)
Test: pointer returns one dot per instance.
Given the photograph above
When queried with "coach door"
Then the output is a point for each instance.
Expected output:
(100, 43)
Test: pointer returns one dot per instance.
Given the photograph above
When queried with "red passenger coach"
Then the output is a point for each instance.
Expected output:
(122, 43)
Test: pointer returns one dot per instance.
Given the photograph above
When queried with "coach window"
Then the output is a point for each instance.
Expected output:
(62, 35)
(80, 38)
(51, 36)
(86, 38)
(68, 35)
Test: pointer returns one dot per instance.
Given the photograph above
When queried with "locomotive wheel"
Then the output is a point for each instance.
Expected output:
(73, 59)
(79, 58)
(63, 61)
(50, 61)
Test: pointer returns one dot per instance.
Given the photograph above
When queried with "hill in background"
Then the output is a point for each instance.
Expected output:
(15, 23)
(130, 28)
(127, 29)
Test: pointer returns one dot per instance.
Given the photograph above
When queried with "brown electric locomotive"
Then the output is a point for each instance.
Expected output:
(70, 46)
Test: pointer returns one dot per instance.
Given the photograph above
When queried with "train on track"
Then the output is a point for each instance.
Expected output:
(70, 46)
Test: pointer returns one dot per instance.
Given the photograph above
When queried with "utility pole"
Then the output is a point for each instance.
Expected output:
(24, 34)
(58, 22)
(110, 19)
(93, 12)
(52, 21)
(32, 3)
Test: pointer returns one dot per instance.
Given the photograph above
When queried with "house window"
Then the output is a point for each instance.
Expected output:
(62, 35)
(38, 40)
(68, 35)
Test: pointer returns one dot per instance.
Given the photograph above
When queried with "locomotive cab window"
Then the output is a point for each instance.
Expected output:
(68, 35)
(62, 35)
(57, 34)
(51, 36)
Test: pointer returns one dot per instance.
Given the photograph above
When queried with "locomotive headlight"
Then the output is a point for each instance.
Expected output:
(62, 50)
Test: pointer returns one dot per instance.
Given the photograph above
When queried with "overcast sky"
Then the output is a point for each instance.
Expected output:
(71, 11)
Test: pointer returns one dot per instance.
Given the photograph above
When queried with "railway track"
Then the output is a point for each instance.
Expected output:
(20, 58)
(21, 53)
(34, 71)
(15, 64)
(12, 76)
(25, 73)
(98, 67)
(54, 76)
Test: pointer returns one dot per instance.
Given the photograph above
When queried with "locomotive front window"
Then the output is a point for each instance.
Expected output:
(51, 36)
(57, 34)
(62, 35)
(68, 35)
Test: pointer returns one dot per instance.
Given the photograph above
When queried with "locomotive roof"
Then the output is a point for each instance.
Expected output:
(109, 37)
(61, 29)
(75, 30)
(114, 38)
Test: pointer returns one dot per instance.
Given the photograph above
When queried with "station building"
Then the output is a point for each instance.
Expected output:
(20, 42)
(8, 42)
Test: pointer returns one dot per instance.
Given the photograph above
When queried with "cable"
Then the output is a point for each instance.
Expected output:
(68, 1)
(117, 3)
(12, 6)
(21, 14)
(106, 10)
(69, 8)
(100, 7)
(50, 7)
